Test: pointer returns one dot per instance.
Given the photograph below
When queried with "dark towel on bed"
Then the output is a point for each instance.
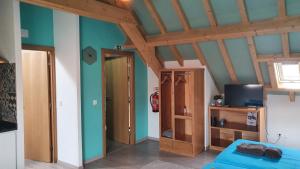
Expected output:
(273, 153)
(252, 149)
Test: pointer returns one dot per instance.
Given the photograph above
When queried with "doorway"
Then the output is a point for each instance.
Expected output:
(40, 141)
(117, 99)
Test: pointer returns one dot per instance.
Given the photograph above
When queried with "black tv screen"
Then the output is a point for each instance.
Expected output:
(243, 95)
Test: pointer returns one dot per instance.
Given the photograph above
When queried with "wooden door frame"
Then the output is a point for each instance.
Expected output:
(108, 53)
(52, 91)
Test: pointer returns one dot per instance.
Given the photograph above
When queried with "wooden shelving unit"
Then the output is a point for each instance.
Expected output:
(235, 127)
(182, 111)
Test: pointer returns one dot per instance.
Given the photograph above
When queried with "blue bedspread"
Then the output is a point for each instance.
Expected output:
(230, 159)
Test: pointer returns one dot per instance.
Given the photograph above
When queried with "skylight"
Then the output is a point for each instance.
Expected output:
(287, 75)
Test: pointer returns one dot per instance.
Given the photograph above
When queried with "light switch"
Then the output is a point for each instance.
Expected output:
(95, 102)
(24, 33)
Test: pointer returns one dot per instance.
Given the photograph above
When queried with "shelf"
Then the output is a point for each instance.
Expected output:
(184, 138)
(235, 109)
(220, 142)
(183, 117)
(237, 127)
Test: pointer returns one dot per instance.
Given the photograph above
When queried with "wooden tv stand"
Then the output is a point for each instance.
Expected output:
(235, 126)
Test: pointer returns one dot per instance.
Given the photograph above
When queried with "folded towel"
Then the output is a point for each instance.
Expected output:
(273, 153)
(252, 149)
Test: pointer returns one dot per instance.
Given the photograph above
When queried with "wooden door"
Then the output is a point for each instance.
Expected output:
(117, 99)
(36, 106)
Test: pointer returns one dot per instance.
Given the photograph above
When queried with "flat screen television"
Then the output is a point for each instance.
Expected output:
(247, 95)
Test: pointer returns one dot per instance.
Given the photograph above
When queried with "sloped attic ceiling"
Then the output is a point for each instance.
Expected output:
(164, 18)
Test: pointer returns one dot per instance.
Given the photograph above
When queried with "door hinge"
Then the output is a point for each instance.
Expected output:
(129, 100)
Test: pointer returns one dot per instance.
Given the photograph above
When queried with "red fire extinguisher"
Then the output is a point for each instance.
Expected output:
(154, 101)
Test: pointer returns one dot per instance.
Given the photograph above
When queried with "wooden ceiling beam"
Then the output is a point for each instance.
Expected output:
(199, 54)
(224, 52)
(186, 26)
(103, 11)
(163, 29)
(253, 55)
(155, 16)
(89, 8)
(282, 8)
(272, 75)
(146, 52)
(177, 55)
(227, 62)
(285, 44)
(285, 35)
(181, 15)
(289, 24)
(250, 41)
(243, 11)
(294, 57)
(209, 12)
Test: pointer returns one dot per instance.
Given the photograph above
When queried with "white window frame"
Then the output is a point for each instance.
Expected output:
(281, 81)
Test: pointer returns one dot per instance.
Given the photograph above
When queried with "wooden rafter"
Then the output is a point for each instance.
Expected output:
(284, 35)
(199, 54)
(209, 13)
(294, 57)
(253, 55)
(177, 55)
(103, 11)
(187, 27)
(289, 24)
(155, 16)
(227, 62)
(285, 44)
(243, 11)
(163, 29)
(91, 8)
(282, 8)
(181, 15)
(251, 45)
(272, 74)
(147, 53)
(224, 52)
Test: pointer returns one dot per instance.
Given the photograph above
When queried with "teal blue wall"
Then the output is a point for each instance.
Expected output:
(98, 34)
(141, 99)
(39, 23)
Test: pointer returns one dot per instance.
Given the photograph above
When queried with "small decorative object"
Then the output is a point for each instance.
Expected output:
(89, 55)
(218, 99)
(251, 118)
(214, 121)
(222, 122)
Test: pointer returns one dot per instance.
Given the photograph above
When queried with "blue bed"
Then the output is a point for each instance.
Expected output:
(230, 159)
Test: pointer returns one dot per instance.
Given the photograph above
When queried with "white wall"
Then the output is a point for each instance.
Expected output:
(10, 48)
(153, 118)
(210, 91)
(283, 117)
(67, 52)
(7, 38)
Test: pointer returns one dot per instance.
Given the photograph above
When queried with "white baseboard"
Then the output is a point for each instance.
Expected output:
(67, 165)
(153, 138)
